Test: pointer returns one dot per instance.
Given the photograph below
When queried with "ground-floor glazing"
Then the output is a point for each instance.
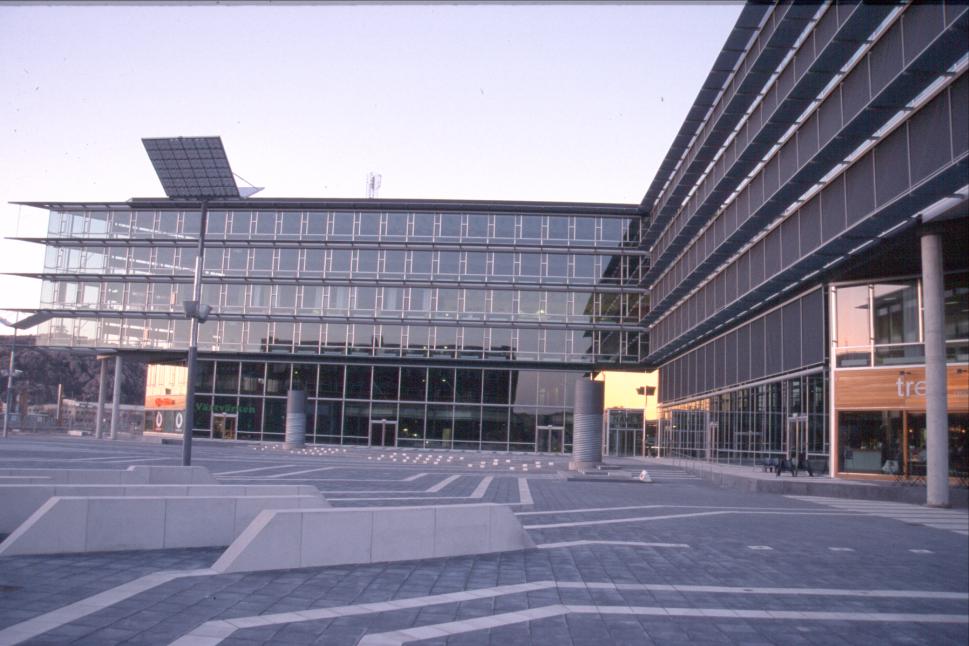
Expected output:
(752, 424)
(446, 407)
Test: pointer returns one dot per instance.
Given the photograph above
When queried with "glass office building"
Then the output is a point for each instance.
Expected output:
(774, 273)
(787, 236)
(431, 324)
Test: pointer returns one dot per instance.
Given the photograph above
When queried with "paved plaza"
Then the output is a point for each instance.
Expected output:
(673, 561)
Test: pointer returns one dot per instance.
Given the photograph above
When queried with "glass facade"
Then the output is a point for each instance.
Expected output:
(463, 326)
(751, 424)
(880, 382)
(415, 284)
(880, 324)
(407, 406)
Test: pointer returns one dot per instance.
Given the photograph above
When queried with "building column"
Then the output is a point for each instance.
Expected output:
(936, 405)
(296, 419)
(587, 424)
(102, 391)
(116, 398)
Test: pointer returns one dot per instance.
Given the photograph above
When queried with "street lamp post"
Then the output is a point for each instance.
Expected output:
(197, 314)
(6, 403)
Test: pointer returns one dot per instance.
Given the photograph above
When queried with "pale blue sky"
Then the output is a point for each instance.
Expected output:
(530, 102)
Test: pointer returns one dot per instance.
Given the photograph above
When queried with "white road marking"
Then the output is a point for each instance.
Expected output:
(639, 519)
(275, 466)
(443, 483)
(763, 548)
(524, 493)
(547, 546)
(592, 510)
(290, 474)
(482, 487)
(213, 632)
(477, 494)
(55, 618)
(399, 637)
(842, 549)
(953, 520)
(130, 460)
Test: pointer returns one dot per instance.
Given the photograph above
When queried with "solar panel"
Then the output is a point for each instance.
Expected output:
(192, 167)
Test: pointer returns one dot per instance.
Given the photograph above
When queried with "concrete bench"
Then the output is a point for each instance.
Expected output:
(19, 501)
(311, 538)
(140, 474)
(84, 524)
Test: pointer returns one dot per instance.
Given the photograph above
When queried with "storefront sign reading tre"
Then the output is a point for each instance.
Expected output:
(894, 389)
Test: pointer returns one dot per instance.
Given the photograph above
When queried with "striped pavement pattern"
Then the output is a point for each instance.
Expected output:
(953, 520)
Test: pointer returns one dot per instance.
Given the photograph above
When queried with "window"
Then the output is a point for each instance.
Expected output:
(396, 226)
(478, 226)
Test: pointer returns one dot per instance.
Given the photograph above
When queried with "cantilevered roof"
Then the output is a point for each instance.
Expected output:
(192, 167)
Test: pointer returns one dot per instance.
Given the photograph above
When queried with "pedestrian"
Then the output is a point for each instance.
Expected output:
(804, 463)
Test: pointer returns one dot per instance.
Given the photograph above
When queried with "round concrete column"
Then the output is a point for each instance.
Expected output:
(936, 404)
(587, 428)
(296, 419)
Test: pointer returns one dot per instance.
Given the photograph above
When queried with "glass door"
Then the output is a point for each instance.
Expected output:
(383, 432)
(224, 426)
(796, 438)
(549, 439)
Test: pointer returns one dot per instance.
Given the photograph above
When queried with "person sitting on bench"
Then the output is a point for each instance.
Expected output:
(787, 464)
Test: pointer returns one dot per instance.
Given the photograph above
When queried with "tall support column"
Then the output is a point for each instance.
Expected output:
(296, 419)
(587, 425)
(936, 405)
(102, 392)
(116, 397)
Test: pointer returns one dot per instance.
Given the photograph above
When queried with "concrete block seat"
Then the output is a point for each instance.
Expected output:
(67, 524)
(19, 501)
(139, 474)
(286, 539)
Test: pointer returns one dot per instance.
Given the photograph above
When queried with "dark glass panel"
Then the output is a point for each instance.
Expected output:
(410, 425)
(413, 384)
(468, 386)
(440, 427)
(358, 382)
(304, 378)
(253, 378)
(274, 416)
(329, 418)
(204, 376)
(440, 384)
(496, 386)
(467, 427)
(494, 425)
(356, 422)
(331, 381)
(523, 422)
(250, 418)
(227, 377)
(385, 381)
(277, 378)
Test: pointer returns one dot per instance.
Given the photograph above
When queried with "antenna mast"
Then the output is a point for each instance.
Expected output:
(373, 185)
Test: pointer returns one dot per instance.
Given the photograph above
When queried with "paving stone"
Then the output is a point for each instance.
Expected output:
(718, 555)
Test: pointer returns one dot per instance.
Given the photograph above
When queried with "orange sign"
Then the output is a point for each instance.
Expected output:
(896, 388)
(165, 402)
